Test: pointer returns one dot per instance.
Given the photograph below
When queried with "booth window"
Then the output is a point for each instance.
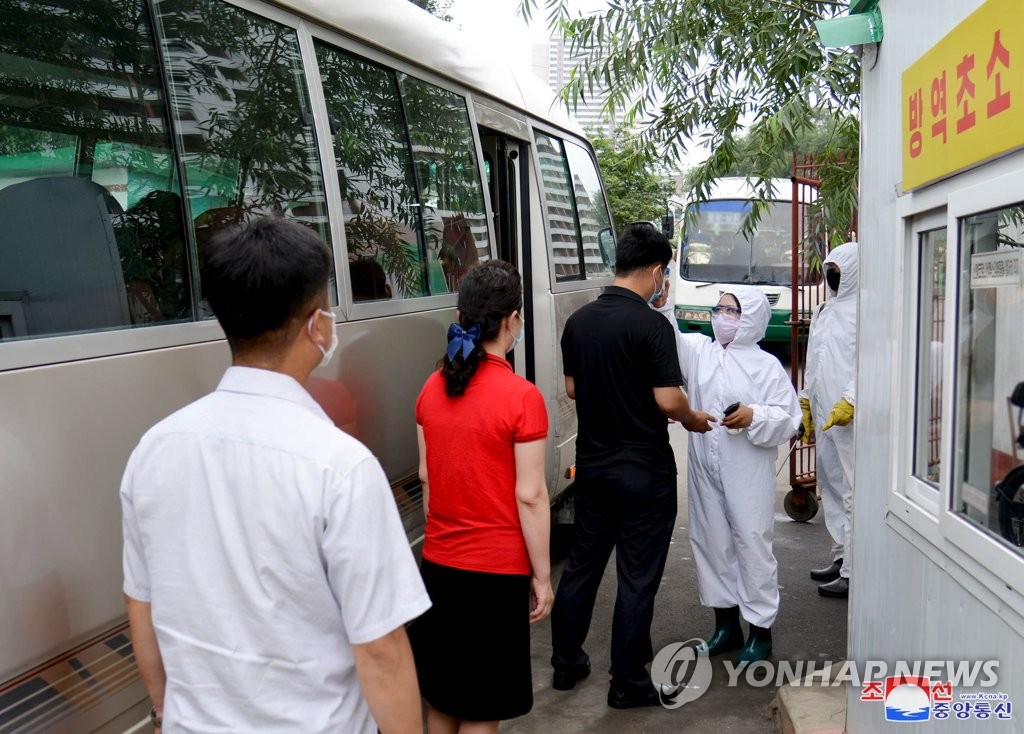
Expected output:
(990, 369)
(930, 328)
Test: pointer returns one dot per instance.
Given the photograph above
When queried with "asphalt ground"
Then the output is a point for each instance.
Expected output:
(809, 628)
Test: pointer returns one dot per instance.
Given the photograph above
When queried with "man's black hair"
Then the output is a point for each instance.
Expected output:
(262, 275)
(641, 245)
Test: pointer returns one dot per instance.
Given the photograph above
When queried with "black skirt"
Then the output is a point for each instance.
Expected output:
(472, 647)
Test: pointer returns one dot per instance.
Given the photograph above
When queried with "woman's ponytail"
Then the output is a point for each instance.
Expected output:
(488, 293)
(462, 359)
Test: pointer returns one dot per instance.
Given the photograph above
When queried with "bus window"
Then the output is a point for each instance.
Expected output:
(579, 227)
(374, 164)
(561, 217)
(592, 212)
(92, 234)
(242, 116)
(450, 193)
(716, 250)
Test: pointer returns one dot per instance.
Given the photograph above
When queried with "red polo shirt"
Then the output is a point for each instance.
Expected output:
(473, 518)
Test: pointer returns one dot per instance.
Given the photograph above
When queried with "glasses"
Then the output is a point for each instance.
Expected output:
(726, 311)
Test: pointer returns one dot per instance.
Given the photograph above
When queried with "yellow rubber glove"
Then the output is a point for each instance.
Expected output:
(841, 415)
(807, 421)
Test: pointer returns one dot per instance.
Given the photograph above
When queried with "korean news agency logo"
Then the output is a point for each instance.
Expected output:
(908, 699)
(917, 698)
(681, 672)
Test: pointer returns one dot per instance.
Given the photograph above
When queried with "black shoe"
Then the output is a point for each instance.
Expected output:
(829, 573)
(758, 647)
(567, 678)
(631, 697)
(839, 589)
(728, 634)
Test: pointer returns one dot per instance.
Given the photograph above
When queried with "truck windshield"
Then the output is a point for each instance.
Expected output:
(715, 250)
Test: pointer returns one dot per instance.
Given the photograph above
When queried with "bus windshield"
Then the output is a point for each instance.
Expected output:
(716, 251)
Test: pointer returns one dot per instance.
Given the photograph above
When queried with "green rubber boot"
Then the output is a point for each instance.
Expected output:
(758, 647)
(728, 634)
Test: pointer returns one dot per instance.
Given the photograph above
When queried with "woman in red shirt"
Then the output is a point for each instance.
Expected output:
(482, 432)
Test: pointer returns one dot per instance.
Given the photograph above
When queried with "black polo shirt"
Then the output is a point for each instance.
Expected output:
(617, 349)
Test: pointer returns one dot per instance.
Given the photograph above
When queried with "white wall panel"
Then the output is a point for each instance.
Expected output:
(909, 600)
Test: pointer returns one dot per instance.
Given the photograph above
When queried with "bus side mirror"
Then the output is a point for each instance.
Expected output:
(606, 244)
(668, 226)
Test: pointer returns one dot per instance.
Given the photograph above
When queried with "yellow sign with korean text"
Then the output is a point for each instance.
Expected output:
(963, 101)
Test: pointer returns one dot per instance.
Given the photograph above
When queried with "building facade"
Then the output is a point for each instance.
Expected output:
(554, 62)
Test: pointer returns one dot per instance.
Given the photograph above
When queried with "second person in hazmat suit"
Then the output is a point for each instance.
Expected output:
(827, 402)
(731, 469)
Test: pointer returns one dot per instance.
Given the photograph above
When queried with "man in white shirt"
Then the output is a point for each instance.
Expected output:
(267, 574)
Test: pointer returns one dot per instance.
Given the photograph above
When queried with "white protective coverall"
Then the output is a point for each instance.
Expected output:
(731, 478)
(829, 377)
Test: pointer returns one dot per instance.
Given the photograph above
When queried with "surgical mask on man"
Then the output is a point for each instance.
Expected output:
(659, 286)
(725, 328)
(832, 277)
(329, 351)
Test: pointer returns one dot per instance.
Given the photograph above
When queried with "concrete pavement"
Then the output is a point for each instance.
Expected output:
(809, 628)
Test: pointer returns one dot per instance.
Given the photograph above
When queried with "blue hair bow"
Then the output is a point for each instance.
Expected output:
(462, 339)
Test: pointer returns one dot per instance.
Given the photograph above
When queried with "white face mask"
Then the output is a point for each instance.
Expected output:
(329, 351)
(725, 328)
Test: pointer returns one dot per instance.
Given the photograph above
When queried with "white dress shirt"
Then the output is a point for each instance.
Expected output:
(268, 542)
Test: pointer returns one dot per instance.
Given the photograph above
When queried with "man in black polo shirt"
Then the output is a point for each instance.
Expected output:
(621, 368)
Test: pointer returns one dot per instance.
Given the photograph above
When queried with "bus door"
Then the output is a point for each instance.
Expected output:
(503, 157)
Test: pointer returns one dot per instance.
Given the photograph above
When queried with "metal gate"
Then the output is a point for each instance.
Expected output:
(810, 247)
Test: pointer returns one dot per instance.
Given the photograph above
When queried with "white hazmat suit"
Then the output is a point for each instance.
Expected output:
(830, 376)
(731, 477)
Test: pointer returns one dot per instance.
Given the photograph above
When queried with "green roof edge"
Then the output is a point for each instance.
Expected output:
(862, 6)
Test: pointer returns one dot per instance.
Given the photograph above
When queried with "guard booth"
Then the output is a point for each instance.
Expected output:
(938, 548)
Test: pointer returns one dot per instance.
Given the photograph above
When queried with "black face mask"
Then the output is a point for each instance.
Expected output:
(832, 278)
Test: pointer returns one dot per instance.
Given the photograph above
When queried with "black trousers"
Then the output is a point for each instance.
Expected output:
(633, 511)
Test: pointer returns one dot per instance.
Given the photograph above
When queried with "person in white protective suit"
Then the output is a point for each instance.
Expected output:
(731, 469)
(827, 402)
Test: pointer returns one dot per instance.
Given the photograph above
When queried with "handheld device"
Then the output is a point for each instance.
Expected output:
(729, 411)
